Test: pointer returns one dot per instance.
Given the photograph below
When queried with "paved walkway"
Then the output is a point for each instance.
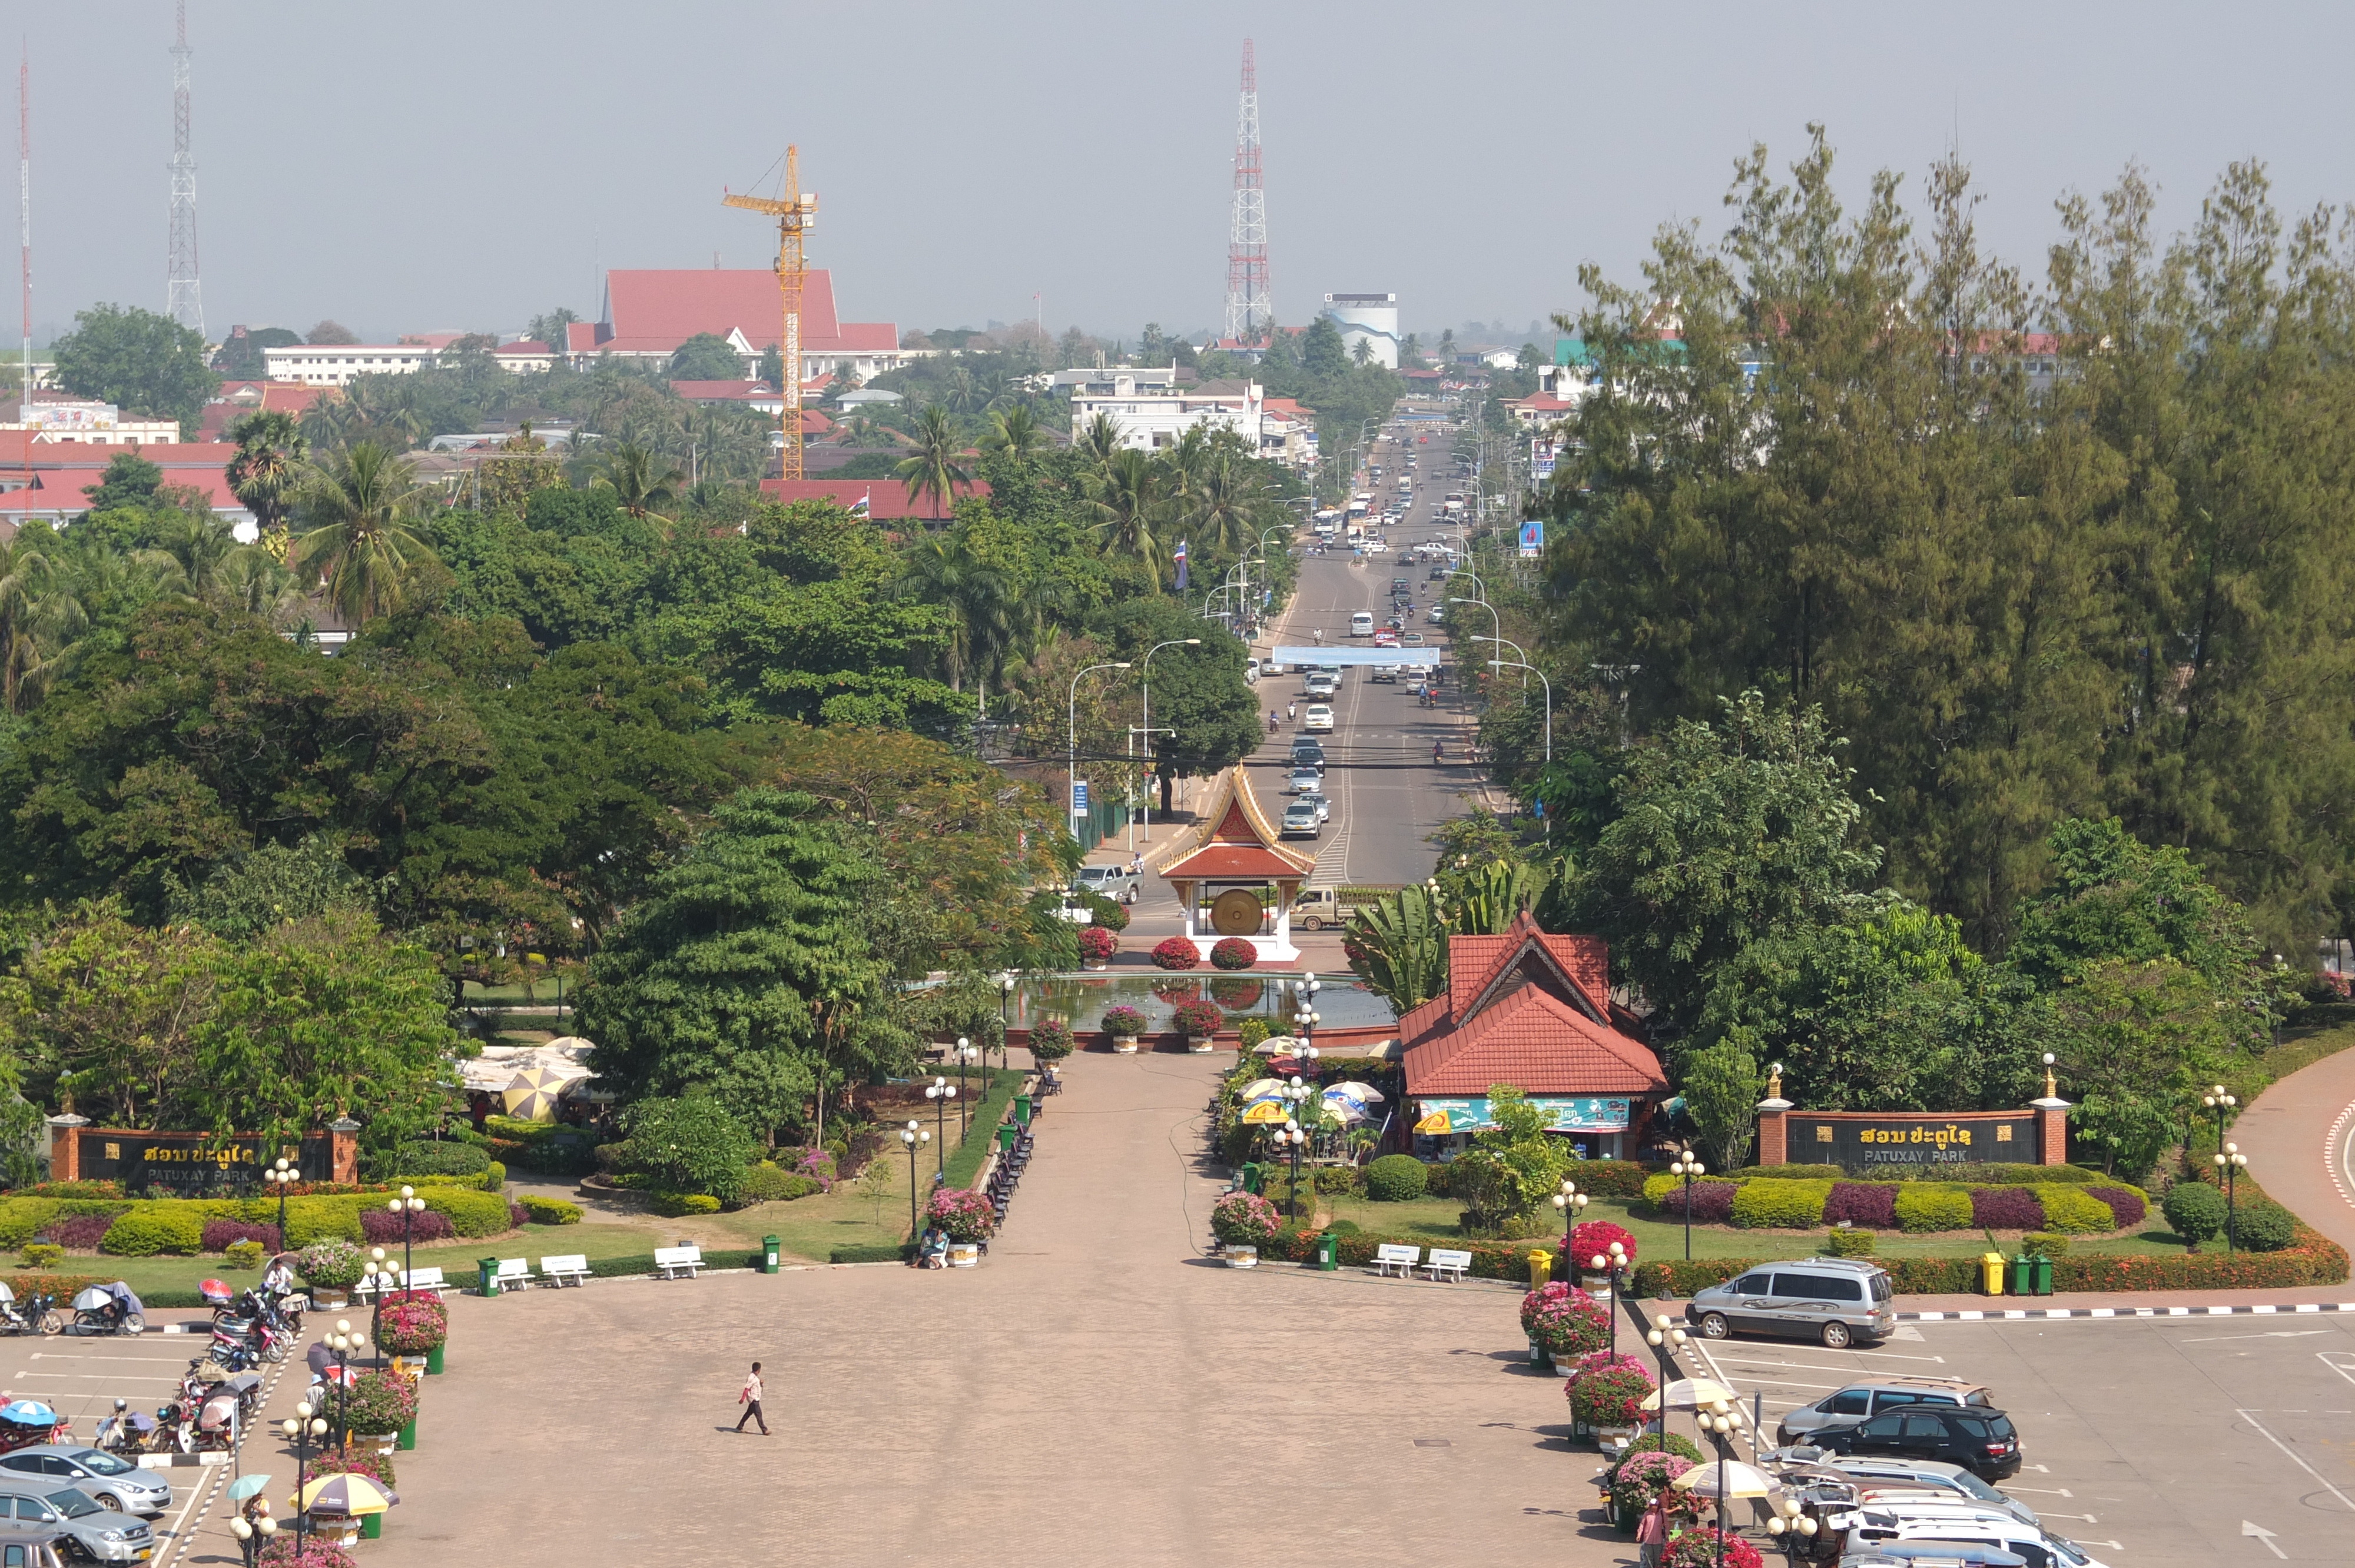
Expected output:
(1095, 1393)
(2288, 1137)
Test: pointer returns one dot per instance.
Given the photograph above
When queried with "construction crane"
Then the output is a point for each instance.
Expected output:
(795, 214)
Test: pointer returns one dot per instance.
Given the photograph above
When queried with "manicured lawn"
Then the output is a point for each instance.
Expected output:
(1655, 1239)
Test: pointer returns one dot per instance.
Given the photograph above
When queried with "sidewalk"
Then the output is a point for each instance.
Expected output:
(2290, 1136)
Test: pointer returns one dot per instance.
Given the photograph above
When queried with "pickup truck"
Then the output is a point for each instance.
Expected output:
(1319, 907)
(1116, 882)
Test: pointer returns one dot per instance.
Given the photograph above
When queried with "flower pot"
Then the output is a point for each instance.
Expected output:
(963, 1254)
(1200, 1047)
(1595, 1285)
(1612, 1440)
(433, 1360)
(381, 1442)
(1125, 1044)
(1242, 1257)
(408, 1435)
(1095, 968)
(330, 1298)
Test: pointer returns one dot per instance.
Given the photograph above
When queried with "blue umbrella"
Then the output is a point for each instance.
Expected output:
(28, 1413)
(245, 1486)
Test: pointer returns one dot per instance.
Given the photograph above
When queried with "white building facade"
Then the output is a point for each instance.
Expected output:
(85, 421)
(335, 364)
(1152, 422)
(1369, 319)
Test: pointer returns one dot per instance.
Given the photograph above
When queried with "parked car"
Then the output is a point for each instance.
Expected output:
(108, 1481)
(100, 1532)
(1319, 907)
(1860, 1400)
(1300, 820)
(1877, 1471)
(1323, 806)
(1873, 1527)
(1931, 1554)
(1117, 882)
(1318, 719)
(1982, 1441)
(1835, 1300)
(1304, 782)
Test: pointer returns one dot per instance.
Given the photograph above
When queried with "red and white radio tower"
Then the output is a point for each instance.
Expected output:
(1249, 315)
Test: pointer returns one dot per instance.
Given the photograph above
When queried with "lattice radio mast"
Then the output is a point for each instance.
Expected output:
(25, 212)
(183, 297)
(1249, 315)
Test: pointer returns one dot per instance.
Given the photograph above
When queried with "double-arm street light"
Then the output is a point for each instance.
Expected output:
(1688, 1165)
(914, 1137)
(1145, 666)
(939, 1091)
(2232, 1162)
(1071, 748)
(1520, 664)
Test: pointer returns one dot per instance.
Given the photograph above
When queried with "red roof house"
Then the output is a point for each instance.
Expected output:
(885, 500)
(1533, 1010)
(648, 314)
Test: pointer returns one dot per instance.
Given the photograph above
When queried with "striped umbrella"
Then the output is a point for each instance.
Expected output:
(532, 1096)
(346, 1495)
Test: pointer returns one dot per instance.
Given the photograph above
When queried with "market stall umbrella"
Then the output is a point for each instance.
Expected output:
(1276, 1045)
(532, 1096)
(1267, 1112)
(28, 1413)
(1688, 1393)
(1364, 1093)
(1261, 1089)
(346, 1495)
(1348, 1111)
(245, 1486)
(1723, 1479)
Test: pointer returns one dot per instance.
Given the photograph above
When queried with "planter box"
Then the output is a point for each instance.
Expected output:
(1242, 1257)
(963, 1254)
(330, 1298)
(1198, 1047)
(1124, 1045)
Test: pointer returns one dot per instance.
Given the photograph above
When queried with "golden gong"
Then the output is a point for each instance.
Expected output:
(1235, 912)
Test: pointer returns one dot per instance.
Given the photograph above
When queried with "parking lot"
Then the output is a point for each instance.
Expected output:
(81, 1378)
(2223, 1440)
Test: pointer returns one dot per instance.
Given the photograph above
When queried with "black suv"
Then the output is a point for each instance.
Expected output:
(1308, 753)
(1982, 1441)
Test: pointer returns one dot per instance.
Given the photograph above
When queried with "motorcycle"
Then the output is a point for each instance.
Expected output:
(108, 1309)
(38, 1315)
(125, 1433)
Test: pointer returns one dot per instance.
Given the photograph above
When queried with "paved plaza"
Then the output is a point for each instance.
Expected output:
(1095, 1393)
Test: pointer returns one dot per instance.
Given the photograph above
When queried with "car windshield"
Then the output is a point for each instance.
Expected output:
(1880, 1287)
(73, 1505)
(1975, 1487)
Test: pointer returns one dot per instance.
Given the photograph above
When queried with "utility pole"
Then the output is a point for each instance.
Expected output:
(183, 296)
(1248, 313)
(796, 215)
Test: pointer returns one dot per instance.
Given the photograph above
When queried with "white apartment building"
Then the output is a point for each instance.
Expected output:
(1151, 421)
(335, 364)
(84, 420)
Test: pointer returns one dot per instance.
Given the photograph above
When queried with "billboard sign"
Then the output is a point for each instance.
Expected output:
(1533, 536)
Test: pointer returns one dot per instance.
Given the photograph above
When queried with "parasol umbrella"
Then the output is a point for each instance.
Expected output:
(1261, 1089)
(93, 1299)
(532, 1096)
(1688, 1393)
(1723, 1479)
(245, 1486)
(1276, 1045)
(1267, 1113)
(1364, 1093)
(28, 1413)
(346, 1495)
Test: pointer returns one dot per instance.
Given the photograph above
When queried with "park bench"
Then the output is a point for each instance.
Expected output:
(515, 1274)
(570, 1269)
(424, 1279)
(670, 1262)
(1393, 1254)
(1447, 1262)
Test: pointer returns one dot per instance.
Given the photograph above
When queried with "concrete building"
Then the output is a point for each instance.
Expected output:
(45, 480)
(649, 314)
(236, 399)
(524, 357)
(1369, 319)
(1151, 420)
(336, 363)
(59, 417)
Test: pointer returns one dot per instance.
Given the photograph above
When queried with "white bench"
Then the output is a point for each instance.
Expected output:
(1390, 1255)
(1447, 1262)
(421, 1279)
(515, 1274)
(570, 1269)
(424, 1279)
(670, 1262)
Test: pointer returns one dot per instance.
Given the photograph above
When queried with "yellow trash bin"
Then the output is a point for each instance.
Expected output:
(1991, 1273)
(1540, 1267)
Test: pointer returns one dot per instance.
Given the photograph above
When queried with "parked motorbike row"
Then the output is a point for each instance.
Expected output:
(220, 1393)
(98, 1309)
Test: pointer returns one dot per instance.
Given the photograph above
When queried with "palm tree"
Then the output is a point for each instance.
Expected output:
(640, 482)
(1225, 510)
(931, 466)
(1100, 441)
(193, 558)
(258, 584)
(38, 612)
(986, 613)
(1128, 502)
(358, 540)
(267, 470)
(1014, 431)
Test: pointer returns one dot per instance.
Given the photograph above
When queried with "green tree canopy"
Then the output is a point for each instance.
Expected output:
(706, 357)
(140, 361)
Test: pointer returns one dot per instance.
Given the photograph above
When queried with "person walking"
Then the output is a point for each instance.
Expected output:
(1291, 711)
(751, 1399)
(1652, 1533)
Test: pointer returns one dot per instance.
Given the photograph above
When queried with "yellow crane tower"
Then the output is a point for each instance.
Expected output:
(796, 215)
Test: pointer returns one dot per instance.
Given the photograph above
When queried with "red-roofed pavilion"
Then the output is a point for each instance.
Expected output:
(1224, 877)
(1532, 1010)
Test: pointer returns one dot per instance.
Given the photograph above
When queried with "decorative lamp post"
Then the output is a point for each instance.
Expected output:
(2230, 1161)
(1613, 1267)
(1688, 1165)
(1666, 1331)
(409, 1205)
(2223, 1106)
(307, 1424)
(1005, 1016)
(915, 1138)
(964, 1055)
(939, 1091)
(1719, 1423)
(1791, 1522)
(344, 1342)
(282, 1176)
(1291, 1133)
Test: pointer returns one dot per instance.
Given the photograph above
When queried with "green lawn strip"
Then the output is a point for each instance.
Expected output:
(964, 1164)
(2331, 1030)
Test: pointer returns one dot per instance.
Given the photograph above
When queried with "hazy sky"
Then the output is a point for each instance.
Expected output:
(432, 165)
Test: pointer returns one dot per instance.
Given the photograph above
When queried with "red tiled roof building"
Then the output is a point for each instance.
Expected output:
(1533, 1010)
(1235, 856)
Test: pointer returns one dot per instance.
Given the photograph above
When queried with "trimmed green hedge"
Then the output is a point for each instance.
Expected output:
(1922, 1206)
(877, 1254)
(1783, 1205)
(965, 1160)
(2075, 1213)
(151, 1228)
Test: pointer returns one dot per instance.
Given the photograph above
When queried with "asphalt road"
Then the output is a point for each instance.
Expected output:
(2218, 1441)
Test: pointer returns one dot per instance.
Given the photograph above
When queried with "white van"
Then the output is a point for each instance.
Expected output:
(1363, 623)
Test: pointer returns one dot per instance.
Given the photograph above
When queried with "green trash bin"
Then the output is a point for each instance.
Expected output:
(1007, 1133)
(1254, 1176)
(771, 1250)
(490, 1267)
(2044, 1266)
(2023, 1276)
(1328, 1252)
(1022, 1110)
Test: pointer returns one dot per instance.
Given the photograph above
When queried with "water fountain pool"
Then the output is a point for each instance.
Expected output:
(1343, 1002)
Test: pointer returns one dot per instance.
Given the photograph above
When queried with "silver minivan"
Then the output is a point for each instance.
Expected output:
(1832, 1301)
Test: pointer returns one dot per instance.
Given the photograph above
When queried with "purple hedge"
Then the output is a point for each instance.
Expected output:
(1712, 1203)
(78, 1232)
(2129, 1207)
(381, 1227)
(221, 1235)
(2007, 1209)
(1873, 1204)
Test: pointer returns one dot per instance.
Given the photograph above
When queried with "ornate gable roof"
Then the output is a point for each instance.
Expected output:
(1236, 842)
(1575, 970)
(1528, 1009)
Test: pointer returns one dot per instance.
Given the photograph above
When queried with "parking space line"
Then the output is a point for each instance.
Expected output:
(2291, 1455)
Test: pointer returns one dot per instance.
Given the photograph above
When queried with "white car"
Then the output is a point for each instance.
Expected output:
(1317, 718)
(1378, 548)
(1324, 807)
(1304, 782)
(1319, 685)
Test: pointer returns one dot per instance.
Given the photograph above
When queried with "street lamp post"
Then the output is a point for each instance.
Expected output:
(1145, 666)
(281, 1176)
(409, 1205)
(965, 1053)
(2230, 1162)
(1665, 1332)
(939, 1091)
(1496, 621)
(1688, 1165)
(1071, 745)
(2224, 1105)
(1613, 1267)
(1005, 1017)
(1293, 1134)
(914, 1137)
(305, 1424)
(344, 1342)
(1719, 1422)
(1548, 699)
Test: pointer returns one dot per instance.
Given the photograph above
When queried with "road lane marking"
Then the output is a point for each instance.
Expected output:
(2262, 1533)
(2044, 1491)
(2276, 1334)
(2343, 1370)
(2291, 1455)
